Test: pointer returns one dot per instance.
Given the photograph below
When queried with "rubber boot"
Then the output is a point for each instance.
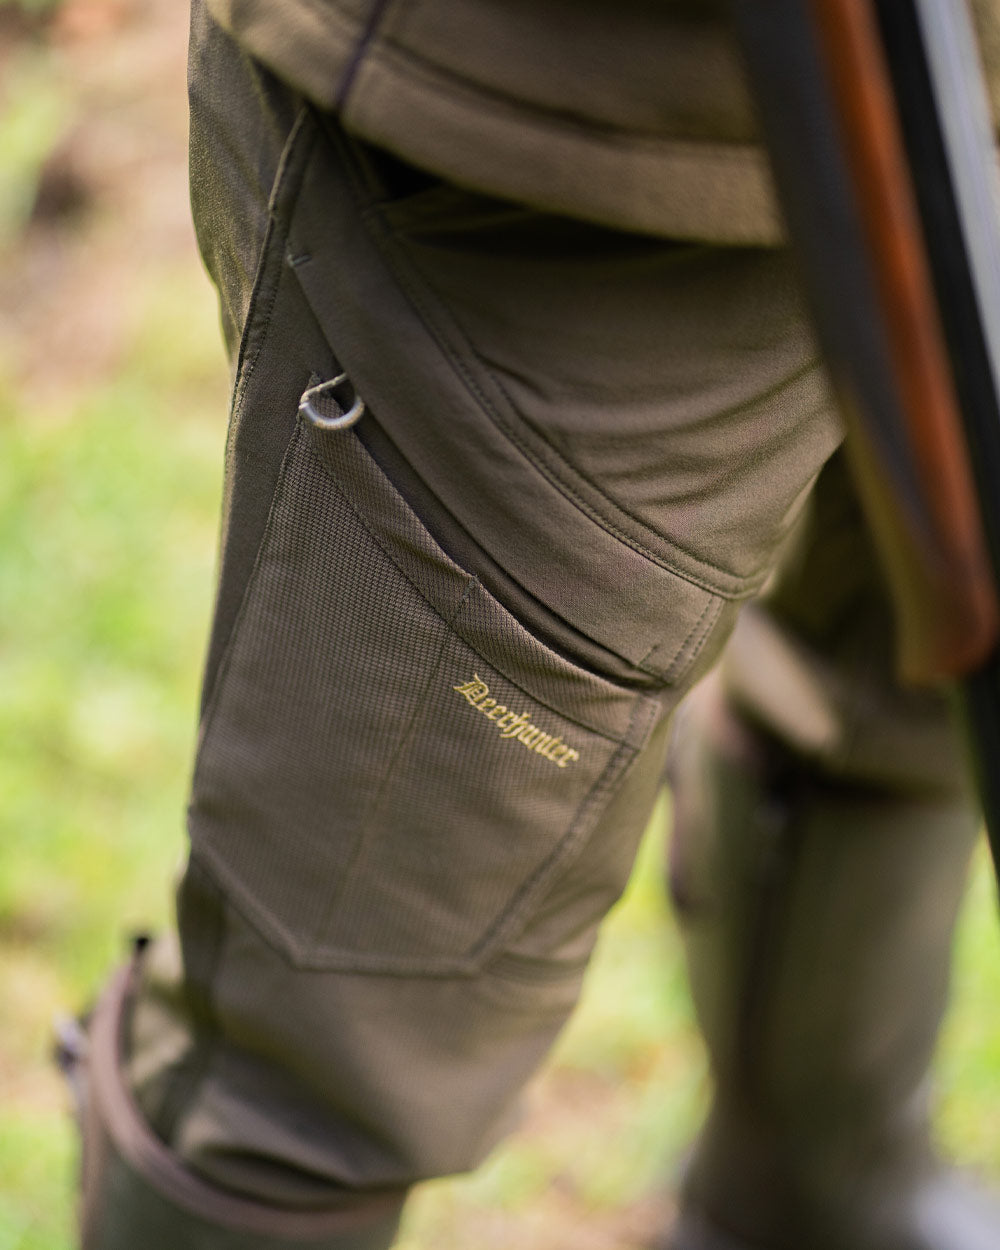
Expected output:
(135, 1192)
(818, 919)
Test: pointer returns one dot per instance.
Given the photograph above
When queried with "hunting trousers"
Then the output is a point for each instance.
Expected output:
(448, 639)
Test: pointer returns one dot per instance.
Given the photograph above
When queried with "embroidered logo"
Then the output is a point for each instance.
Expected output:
(516, 726)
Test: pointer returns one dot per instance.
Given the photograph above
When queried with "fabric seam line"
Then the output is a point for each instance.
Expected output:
(368, 33)
(568, 843)
(669, 673)
(366, 821)
(712, 612)
(459, 366)
(277, 227)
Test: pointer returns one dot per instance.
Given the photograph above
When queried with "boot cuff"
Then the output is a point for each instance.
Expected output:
(138, 1192)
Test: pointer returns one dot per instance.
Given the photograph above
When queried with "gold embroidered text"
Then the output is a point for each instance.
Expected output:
(516, 726)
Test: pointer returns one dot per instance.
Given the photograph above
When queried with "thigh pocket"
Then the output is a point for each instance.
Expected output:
(392, 767)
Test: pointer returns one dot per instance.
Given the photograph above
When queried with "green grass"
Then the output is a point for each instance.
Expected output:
(107, 524)
(35, 113)
(108, 517)
(968, 1067)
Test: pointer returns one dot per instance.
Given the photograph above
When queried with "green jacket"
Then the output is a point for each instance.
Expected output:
(632, 113)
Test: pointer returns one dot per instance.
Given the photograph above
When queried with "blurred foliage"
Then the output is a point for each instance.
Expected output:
(35, 8)
(108, 517)
(35, 109)
(968, 1063)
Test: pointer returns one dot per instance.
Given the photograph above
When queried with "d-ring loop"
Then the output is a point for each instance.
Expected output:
(351, 404)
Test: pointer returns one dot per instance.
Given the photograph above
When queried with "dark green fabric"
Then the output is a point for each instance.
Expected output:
(818, 916)
(134, 1214)
(137, 1192)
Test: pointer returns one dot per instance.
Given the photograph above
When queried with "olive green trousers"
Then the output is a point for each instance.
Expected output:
(447, 642)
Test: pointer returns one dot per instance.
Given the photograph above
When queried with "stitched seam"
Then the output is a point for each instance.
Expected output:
(276, 935)
(706, 633)
(558, 461)
(368, 34)
(275, 228)
(259, 325)
(569, 841)
(549, 447)
(367, 821)
(420, 302)
(168, 1175)
(667, 673)
(680, 654)
(507, 967)
(372, 217)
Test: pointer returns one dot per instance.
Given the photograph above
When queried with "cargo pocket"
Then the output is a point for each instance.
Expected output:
(392, 768)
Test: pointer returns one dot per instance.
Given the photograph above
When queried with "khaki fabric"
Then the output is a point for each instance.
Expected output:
(630, 113)
(448, 639)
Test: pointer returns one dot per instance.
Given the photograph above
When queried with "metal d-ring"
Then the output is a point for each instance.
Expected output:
(350, 403)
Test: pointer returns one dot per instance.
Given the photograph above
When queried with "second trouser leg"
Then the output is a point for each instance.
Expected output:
(823, 832)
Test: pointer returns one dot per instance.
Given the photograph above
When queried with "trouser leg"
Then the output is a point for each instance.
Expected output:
(409, 812)
(446, 645)
(823, 832)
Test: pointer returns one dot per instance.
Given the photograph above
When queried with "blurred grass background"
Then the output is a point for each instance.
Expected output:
(112, 423)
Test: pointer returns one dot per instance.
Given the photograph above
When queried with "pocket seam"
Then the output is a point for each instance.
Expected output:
(258, 320)
(571, 841)
(454, 620)
(372, 809)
